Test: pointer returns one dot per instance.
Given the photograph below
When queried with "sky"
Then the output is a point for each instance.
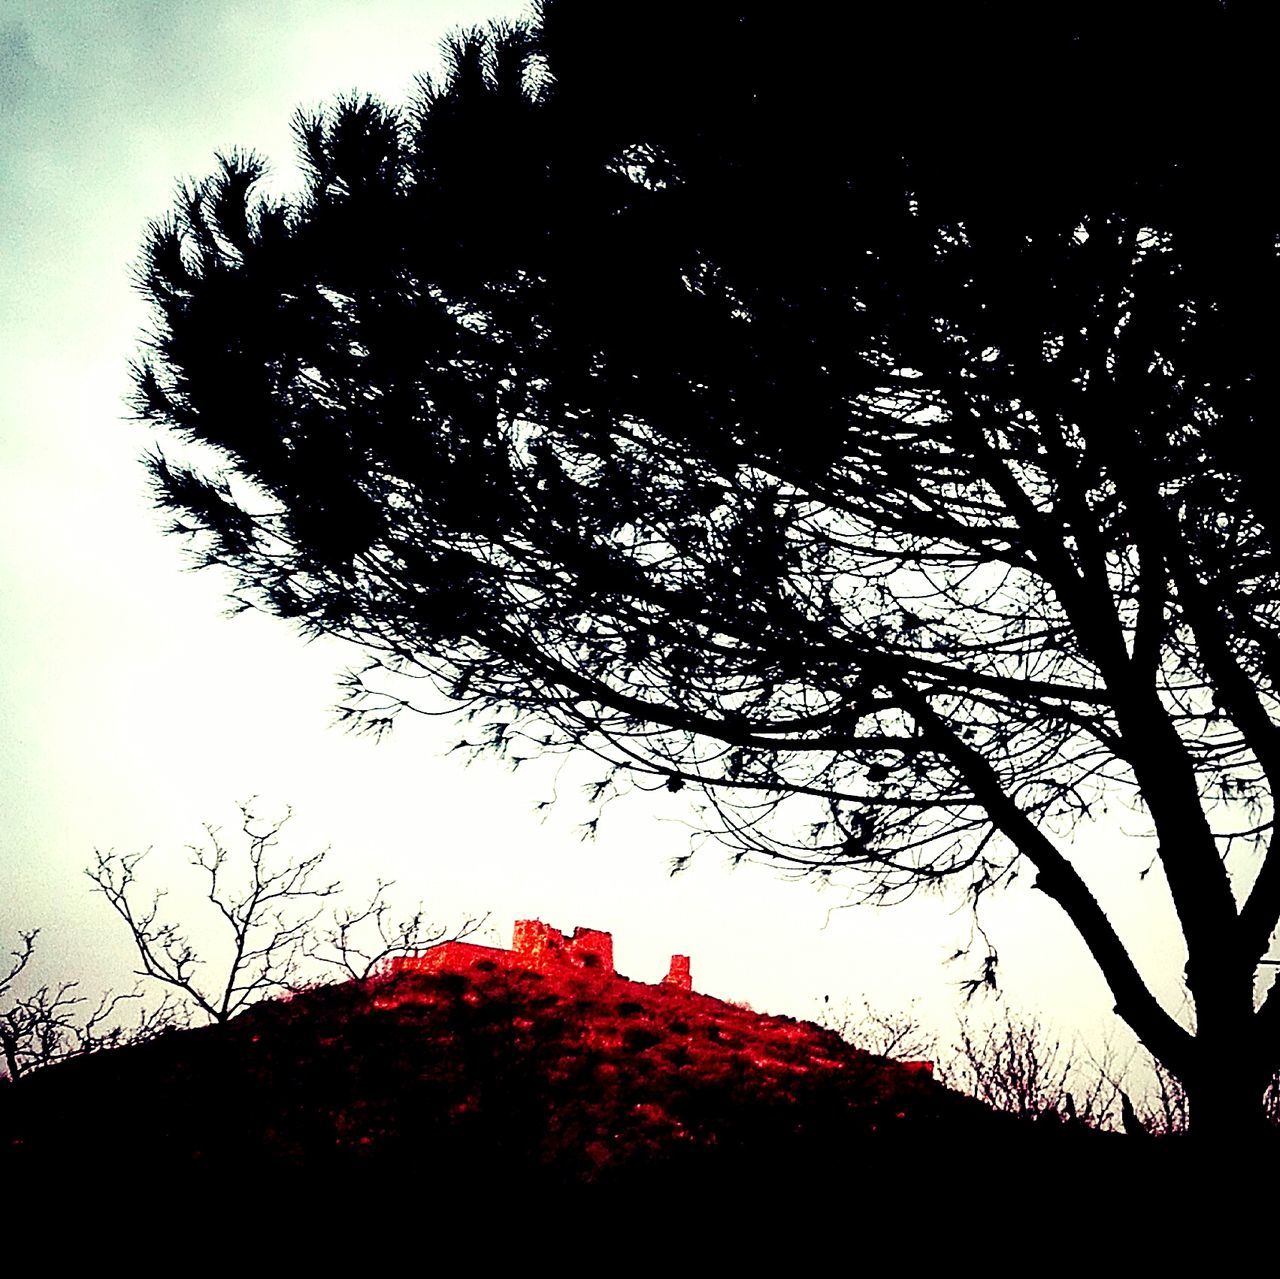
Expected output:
(133, 710)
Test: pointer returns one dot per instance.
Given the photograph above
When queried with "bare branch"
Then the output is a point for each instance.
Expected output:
(266, 906)
(886, 1034)
(358, 940)
(19, 959)
(46, 1025)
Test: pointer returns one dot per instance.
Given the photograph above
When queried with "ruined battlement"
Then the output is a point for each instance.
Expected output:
(545, 946)
(535, 947)
(678, 974)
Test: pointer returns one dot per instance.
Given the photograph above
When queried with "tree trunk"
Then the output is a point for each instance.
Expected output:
(11, 1060)
(1225, 1104)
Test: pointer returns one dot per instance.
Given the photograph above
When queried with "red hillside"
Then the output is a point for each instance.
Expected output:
(541, 1059)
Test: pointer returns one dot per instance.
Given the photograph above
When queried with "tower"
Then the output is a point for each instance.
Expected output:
(678, 975)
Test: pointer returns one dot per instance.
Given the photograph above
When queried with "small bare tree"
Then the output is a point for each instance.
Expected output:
(49, 1024)
(886, 1034)
(1163, 1112)
(1022, 1067)
(358, 941)
(1019, 1066)
(266, 905)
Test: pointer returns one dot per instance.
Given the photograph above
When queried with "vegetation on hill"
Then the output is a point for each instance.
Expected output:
(561, 1078)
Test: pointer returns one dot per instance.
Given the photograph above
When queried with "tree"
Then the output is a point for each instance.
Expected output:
(267, 907)
(1014, 1064)
(273, 920)
(899, 1034)
(358, 941)
(49, 1024)
(1019, 1066)
(858, 426)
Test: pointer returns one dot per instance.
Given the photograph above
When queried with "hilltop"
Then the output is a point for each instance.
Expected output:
(568, 1074)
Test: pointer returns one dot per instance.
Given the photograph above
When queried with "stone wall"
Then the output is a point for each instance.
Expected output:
(450, 956)
(536, 946)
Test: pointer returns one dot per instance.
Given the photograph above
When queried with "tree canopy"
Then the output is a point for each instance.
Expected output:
(858, 420)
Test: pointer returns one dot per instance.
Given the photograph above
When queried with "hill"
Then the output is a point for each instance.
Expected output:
(552, 1077)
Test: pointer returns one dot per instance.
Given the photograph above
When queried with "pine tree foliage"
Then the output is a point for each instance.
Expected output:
(857, 419)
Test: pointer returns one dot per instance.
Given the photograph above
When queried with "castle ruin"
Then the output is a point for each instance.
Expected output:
(535, 947)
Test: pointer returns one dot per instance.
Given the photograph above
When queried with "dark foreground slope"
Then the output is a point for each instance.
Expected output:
(539, 1080)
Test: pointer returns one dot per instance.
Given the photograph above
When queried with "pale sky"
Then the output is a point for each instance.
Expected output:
(132, 710)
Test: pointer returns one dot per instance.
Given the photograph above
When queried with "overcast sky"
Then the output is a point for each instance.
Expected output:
(133, 710)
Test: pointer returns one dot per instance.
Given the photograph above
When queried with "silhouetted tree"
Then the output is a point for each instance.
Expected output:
(857, 422)
(902, 1035)
(1165, 1114)
(274, 917)
(358, 941)
(50, 1023)
(267, 906)
(1018, 1065)
(1012, 1063)
(10, 1042)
